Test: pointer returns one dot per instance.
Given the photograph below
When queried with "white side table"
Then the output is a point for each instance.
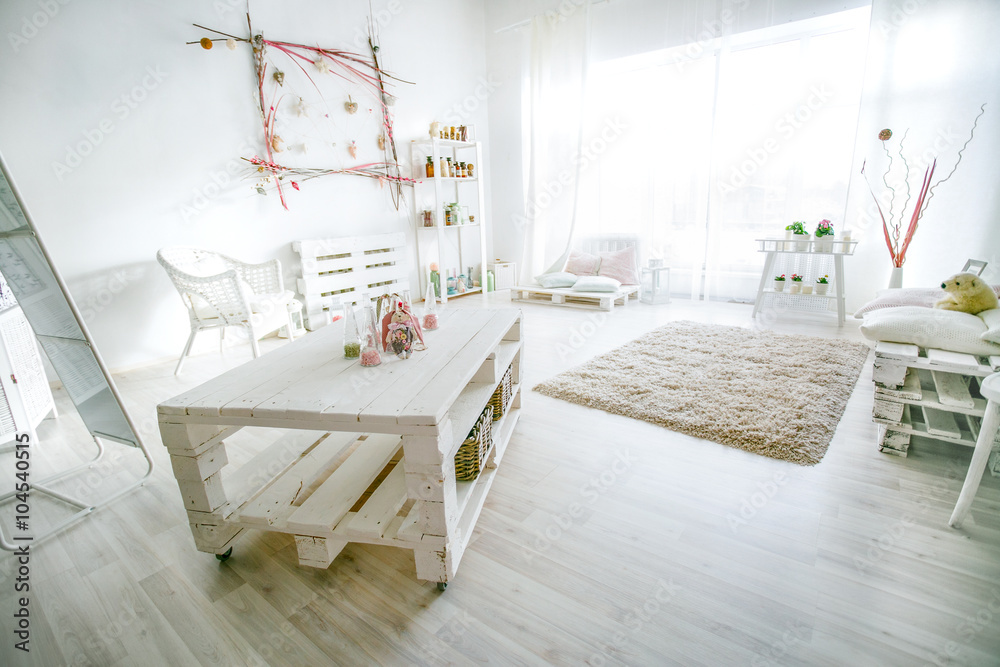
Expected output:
(990, 389)
(655, 288)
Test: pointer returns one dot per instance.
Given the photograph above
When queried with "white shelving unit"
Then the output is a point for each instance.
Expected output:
(451, 247)
(801, 257)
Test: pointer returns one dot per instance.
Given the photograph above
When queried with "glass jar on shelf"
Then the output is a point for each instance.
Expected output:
(429, 167)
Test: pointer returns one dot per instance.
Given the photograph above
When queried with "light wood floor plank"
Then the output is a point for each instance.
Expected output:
(849, 562)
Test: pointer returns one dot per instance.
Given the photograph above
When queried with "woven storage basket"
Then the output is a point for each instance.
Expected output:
(472, 454)
(501, 397)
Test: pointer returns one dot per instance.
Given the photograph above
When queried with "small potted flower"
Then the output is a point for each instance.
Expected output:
(779, 283)
(796, 286)
(822, 284)
(824, 237)
(797, 232)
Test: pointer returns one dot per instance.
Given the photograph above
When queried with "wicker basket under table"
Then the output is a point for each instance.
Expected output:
(501, 397)
(472, 454)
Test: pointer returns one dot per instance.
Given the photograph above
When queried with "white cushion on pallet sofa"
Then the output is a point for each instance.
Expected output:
(596, 284)
(929, 327)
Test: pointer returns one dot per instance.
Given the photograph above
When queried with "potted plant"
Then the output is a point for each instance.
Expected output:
(822, 284)
(779, 283)
(796, 286)
(797, 231)
(824, 237)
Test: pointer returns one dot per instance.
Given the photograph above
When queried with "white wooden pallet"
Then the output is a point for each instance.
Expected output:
(334, 270)
(931, 393)
(377, 465)
(564, 296)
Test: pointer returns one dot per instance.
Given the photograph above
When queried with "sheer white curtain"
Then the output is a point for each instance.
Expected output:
(712, 144)
(554, 107)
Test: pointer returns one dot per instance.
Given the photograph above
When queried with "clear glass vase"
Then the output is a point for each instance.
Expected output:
(429, 319)
(370, 355)
(352, 338)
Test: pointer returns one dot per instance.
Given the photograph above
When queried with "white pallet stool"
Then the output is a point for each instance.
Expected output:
(990, 389)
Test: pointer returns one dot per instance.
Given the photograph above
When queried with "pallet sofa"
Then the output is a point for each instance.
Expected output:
(566, 296)
(335, 270)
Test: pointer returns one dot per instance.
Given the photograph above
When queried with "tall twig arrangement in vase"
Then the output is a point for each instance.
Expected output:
(352, 67)
(893, 227)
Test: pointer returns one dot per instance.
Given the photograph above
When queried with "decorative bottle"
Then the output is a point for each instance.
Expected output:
(429, 167)
(370, 355)
(429, 321)
(352, 339)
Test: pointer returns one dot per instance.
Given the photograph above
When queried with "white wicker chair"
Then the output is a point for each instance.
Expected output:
(219, 292)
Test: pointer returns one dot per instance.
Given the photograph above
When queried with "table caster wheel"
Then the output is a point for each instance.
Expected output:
(226, 555)
(442, 585)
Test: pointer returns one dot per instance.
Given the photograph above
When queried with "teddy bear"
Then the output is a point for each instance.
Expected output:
(967, 293)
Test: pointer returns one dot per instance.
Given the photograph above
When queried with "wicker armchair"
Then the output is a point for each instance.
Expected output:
(219, 292)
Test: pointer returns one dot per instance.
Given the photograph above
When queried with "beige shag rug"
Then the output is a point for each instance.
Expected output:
(771, 394)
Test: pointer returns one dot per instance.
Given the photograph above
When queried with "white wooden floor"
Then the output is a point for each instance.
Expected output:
(605, 541)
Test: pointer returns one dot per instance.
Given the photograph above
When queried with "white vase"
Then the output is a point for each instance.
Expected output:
(896, 277)
(823, 244)
(779, 285)
(821, 288)
(794, 287)
(807, 289)
(801, 242)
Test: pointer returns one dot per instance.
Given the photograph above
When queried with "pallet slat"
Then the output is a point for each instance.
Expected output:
(324, 509)
(374, 517)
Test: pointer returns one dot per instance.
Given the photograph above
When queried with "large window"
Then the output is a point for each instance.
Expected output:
(705, 147)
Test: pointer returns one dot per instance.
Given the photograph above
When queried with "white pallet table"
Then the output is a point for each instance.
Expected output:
(931, 393)
(334, 270)
(337, 474)
(563, 296)
(803, 257)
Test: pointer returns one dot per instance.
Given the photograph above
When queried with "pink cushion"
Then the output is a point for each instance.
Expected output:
(582, 263)
(906, 296)
(620, 265)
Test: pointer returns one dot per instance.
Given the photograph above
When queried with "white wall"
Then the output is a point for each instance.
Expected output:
(931, 64)
(151, 178)
(951, 41)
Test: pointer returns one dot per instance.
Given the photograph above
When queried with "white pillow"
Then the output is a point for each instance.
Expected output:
(906, 296)
(560, 279)
(929, 327)
(596, 284)
(992, 320)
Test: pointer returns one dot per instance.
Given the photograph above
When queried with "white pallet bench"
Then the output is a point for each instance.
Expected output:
(366, 454)
(333, 270)
(563, 296)
(930, 393)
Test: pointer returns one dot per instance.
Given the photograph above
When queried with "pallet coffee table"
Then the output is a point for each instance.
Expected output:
(364, 454)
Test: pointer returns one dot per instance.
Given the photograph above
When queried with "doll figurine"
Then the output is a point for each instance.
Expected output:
(399, 339)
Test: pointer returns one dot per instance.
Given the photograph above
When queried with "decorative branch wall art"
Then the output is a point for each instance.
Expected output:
(310, 123)
(893, 227)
